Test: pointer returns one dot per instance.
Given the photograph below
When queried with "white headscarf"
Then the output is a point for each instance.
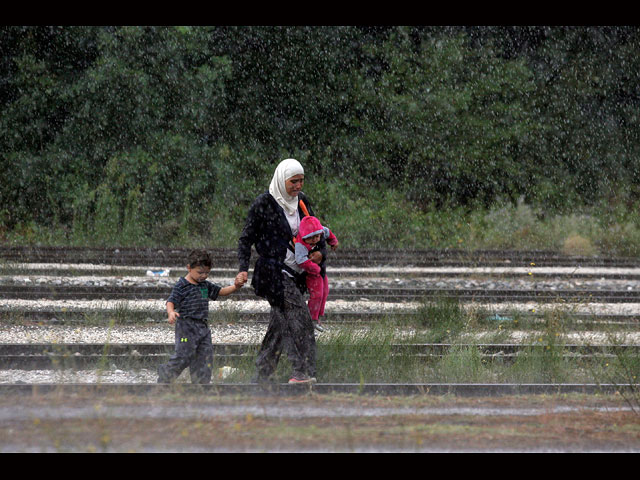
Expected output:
(285, 170)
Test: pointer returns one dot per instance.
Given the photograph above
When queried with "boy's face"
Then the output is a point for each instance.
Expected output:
(198, 274)
(312, 240)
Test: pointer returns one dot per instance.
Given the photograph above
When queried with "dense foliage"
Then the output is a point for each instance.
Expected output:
(156, 132)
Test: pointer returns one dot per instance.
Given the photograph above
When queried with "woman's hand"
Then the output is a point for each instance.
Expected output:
(316, 257)
(241, 279)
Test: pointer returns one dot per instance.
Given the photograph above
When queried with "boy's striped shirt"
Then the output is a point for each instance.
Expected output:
(192, 300)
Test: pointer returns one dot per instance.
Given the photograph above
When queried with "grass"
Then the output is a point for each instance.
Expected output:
(365, 353)
(356, 356)
(382, 222)
(619, 367)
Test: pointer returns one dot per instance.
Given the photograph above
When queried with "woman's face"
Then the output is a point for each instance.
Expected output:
(293, 185)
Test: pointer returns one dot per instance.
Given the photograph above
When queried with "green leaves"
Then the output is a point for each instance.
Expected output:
(445, 115)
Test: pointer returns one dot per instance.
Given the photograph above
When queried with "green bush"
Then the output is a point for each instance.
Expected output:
(446, 137)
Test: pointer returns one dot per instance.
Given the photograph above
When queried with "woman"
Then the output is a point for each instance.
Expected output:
(272, 223)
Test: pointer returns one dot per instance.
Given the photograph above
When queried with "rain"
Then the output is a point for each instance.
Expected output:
(469, 173)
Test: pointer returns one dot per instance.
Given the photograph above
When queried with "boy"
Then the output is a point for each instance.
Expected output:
(310, 233)
(188, 308)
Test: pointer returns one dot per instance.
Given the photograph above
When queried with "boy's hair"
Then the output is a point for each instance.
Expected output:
(199, 258)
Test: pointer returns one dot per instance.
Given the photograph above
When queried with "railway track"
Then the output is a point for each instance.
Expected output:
(117, 355)
(105, 318)
(254, 389)
(389, 294)
(344, 263)
(175, 257)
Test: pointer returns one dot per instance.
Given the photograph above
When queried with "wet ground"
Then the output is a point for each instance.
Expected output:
(317, 423)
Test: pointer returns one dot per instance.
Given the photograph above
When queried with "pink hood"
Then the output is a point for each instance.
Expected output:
(309, 226)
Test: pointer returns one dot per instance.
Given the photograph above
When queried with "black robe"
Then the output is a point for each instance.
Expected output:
(267, 228)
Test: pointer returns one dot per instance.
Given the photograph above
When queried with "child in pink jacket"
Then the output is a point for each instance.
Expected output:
(310, 233)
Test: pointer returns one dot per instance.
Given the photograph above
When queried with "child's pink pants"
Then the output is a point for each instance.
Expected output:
(318, 287)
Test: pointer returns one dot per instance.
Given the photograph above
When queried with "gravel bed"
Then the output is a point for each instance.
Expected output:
(526, 283)
(164, 333)
(80, 376)
(119, 334)
(253, 333)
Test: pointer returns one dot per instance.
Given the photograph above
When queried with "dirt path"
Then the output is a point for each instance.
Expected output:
(336, 423)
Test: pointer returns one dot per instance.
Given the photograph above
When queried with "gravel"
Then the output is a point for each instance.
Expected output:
(515, 278)
(356, 281)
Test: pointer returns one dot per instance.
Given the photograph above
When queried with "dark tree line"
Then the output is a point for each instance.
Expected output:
(109, 126)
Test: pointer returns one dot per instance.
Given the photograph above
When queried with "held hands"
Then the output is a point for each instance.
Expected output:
(241, 279)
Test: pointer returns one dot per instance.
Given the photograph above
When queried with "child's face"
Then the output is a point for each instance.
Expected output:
(312, 240)
(198, 274)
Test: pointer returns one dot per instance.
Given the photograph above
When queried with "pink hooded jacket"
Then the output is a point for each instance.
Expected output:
(310, 226)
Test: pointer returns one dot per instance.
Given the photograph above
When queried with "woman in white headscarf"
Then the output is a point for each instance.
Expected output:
(272, 223)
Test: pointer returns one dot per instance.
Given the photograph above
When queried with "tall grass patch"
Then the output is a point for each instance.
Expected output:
(461, 364)
(359, 355)
(619, 366)
(441, 320)
(544, 360)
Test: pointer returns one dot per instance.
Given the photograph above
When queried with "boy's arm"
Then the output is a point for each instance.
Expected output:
(175, 298)
(224, 291)
(237, 285)
(171, 312)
